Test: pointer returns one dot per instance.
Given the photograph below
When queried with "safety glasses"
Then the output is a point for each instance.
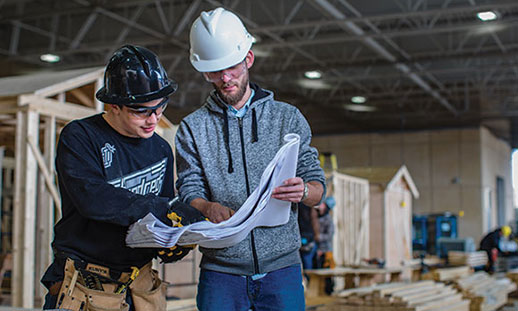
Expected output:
(143, 112)
(233, 72)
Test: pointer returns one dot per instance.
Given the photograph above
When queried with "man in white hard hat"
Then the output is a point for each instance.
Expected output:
(222, 150)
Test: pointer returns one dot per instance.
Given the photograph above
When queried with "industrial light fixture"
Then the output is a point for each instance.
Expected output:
(486, 16)
(50, 58)
(261, 52)
(359, 108)
(313, 74)
(314, 84)
(358, 99)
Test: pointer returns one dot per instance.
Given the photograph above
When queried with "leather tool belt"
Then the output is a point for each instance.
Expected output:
(91, 287)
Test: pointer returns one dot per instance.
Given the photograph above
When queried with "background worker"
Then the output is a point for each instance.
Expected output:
(309, 234)
(222, 150)
(113, 170)
(325, 243)
(491, 245)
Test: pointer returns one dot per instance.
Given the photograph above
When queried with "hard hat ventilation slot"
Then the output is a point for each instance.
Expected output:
(142, 60)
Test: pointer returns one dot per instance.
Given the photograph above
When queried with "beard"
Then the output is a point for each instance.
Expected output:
(233, 99)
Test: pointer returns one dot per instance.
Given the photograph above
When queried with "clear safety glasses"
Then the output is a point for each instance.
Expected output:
(233, 72)
(143, 112)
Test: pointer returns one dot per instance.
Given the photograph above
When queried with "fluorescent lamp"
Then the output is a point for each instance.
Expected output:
(359, 108)
(358, 99)
(261, 52)
(314, 84)
(487, 16)
(313, 74)
(50, 58)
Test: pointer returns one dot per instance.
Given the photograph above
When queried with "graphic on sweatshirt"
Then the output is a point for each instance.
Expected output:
(107, 151)
(144, 181)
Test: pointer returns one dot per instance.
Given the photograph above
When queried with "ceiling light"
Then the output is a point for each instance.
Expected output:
(314, 84)
(313, 74)
(358, 99)
(359, 108)
(487, 16)
(261, 52)
(50, 58)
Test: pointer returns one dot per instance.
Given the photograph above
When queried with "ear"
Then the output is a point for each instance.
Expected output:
(249, 59)
(116, 109)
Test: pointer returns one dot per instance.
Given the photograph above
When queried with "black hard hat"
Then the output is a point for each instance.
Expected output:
(134, 75)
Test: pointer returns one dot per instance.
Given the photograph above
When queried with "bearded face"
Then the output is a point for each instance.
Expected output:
(232, 91)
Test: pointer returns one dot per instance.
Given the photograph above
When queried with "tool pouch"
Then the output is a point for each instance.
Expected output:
(148, 291)
(76, 297)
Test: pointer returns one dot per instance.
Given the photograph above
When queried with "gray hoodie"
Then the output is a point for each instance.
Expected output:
(220, 158)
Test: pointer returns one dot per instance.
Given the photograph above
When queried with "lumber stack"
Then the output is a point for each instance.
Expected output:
(447, 274)
(182, 305)
(413, 296)
(485, 292)
(470, 259)
(513, 275)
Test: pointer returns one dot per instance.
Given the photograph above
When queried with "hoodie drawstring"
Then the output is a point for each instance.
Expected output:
(254, 127)
(227, 143)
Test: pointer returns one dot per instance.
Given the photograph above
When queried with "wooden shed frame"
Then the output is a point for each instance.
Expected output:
(33, 109)
(351, 219)
(388, 179)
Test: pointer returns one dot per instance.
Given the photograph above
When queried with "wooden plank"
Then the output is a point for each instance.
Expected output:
(30, 213)
(25, 211)
(45, 171)
(83, 98)
(316, 286)
(439, 304)
(71, 83)
(46, 205)
(462, 305)
(59, 110)
(350, 244)
(17, 238)
(402, 286)
(182, 304)
(99, 106)
(443, 294)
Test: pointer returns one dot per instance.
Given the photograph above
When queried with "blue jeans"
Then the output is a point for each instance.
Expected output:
(307, 257)
(278, 290)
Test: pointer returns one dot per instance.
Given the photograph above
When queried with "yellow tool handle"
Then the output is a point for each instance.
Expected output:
(134, 273)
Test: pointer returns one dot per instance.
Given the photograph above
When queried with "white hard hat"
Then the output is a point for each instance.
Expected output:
(219, 40)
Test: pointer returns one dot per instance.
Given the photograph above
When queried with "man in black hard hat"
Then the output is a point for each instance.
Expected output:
(113, 170)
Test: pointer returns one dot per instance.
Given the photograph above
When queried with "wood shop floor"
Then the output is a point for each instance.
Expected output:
(335, 304)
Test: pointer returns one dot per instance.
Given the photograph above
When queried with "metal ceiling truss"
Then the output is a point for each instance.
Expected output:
(431, 59)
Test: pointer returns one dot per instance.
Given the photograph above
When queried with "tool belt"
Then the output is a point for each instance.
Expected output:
(90, 287)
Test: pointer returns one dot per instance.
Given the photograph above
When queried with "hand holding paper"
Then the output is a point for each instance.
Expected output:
(260, 209)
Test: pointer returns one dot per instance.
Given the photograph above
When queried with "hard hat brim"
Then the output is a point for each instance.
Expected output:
(103, 95)
(221, 63)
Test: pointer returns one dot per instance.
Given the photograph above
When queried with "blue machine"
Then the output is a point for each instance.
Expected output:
(444, 245)
(419, 234)
(427, 229)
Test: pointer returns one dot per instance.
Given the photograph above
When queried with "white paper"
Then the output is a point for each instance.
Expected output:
(259, 210)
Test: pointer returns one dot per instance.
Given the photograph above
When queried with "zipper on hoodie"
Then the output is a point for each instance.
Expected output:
(254, 253)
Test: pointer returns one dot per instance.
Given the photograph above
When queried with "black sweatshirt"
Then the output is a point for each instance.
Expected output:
(107, 182)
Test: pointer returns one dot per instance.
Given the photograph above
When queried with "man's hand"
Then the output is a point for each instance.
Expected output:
(291, 190)
(215, 212)
(180, 214)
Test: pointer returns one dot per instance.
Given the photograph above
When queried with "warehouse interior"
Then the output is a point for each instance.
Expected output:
(412, 104)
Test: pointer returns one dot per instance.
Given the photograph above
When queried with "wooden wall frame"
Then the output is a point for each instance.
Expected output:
(33, 110)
